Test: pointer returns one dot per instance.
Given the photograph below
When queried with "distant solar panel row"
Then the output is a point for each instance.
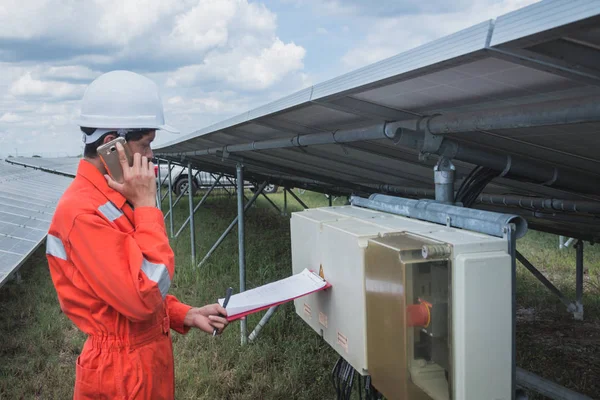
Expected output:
(63, 165)
(28, 198)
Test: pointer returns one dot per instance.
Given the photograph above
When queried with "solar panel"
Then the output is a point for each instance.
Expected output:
(62, 165)
(28, 199)
(541, 55)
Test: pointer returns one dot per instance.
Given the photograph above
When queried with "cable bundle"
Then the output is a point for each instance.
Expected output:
(474, 184)
(342, 378)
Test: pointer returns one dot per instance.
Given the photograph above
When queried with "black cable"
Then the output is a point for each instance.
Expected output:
(335, 375)
(360, 389)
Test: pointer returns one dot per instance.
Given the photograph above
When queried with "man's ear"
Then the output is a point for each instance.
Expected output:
(108, 138)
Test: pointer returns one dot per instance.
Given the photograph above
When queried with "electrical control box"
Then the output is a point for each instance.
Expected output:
(422, 308)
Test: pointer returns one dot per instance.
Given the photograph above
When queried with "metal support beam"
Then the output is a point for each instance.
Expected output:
(170, 198)
(192, 225)
(263, 321)
(271, 202)
(545, 387)
(578, 313)
(233, 223)
(511, 236)
(241, 242)
(297, 199)
(285, 190)
(179, 197)
(159, 188)
(199, 204)
(570, 306)
(444, 181)
(330, 197)
(163, 182)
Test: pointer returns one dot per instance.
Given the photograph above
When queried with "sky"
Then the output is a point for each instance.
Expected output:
(211, 59)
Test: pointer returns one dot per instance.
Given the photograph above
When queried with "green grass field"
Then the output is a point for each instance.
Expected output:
(39, 344)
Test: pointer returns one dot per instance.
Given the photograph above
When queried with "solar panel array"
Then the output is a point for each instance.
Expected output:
(549, 51)
(28, 198)
(62, 165)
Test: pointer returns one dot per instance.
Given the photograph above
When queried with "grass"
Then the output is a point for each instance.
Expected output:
(288, 361)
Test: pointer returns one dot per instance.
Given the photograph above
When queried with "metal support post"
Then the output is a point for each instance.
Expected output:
(178, 198)
(561, 242)
(285, 190)
(511, 236)
(545, 281)
(330, 197)
(271, 202)
(444, 181)
(199, 205)
(163, 182)
(158, 189)
(297, 199)
(263, 321)
(241, 242)
(170, 198)
(578, 314)
(192, 227)
(230, 227)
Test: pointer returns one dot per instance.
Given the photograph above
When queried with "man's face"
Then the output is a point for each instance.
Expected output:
(142, 146)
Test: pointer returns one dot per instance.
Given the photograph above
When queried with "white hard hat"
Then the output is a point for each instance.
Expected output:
(122, 100)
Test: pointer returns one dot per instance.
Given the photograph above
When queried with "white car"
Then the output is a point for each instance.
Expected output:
(203, 180)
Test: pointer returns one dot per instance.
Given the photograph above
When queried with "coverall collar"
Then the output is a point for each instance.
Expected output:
(88, 171)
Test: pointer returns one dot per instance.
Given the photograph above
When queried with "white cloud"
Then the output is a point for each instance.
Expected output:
(322, 31)
(70, 72)
(91, 22)
(392, 35)
(28, 86)
(244, 70)
(11, 117)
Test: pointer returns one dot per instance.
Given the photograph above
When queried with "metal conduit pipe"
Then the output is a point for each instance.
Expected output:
(373, 132)
(541, 203)
(507, 166)
(459, 217)
(528, 202)
(557, 112)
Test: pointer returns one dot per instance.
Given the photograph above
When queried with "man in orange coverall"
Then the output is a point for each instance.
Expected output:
(109, 255)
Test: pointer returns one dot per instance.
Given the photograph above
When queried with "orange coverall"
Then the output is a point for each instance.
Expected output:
(112, 267)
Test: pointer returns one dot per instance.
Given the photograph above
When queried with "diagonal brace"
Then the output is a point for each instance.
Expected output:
(199, 204)
(297, 198)
(233, 223)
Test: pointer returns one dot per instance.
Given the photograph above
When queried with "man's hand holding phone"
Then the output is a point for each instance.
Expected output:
(139, 185)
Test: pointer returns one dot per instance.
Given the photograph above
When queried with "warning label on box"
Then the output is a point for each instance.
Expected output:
(307, 311)
(342, 341)
(323, 319)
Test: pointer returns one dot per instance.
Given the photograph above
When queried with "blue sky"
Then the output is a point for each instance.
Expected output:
(212, 59)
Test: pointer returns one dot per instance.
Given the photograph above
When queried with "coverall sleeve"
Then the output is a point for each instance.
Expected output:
(177, 313)
(130, 272)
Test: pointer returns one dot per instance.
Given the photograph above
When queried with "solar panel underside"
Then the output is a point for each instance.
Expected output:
(549, 51)
(28, 198)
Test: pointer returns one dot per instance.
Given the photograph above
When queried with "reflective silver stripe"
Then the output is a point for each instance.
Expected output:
(55, 248)
(110, 211)
(157, 273)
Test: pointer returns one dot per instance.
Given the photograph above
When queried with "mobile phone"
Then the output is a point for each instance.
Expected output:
(110, 158)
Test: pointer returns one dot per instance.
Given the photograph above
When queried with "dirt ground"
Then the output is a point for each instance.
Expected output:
(551, 344)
